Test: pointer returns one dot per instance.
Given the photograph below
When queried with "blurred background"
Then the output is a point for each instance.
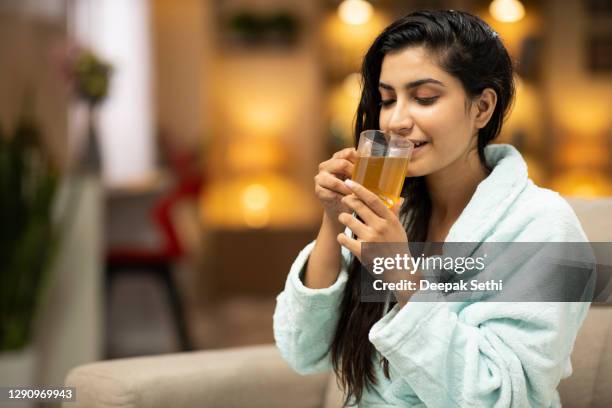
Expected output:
(158, 156)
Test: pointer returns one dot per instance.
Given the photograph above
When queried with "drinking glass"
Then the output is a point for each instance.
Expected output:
(382, 164)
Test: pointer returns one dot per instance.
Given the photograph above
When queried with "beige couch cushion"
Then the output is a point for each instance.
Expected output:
(595, 216)
(589, 384)
(596, 219)
(254, 376)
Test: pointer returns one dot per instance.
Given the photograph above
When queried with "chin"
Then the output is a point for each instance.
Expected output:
(418, 170)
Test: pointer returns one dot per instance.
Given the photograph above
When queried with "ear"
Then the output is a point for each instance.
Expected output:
(484, 106)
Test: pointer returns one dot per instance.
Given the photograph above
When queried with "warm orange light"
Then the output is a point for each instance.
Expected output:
(262, 117)
(346, 43)
(535, 171)
(352, 85)
(514, 33)
(582, 113)
(261, 101)
(582, 152)
(254, 154)
(342, 105)
(526, 117)
(583, 183)
(257, 219)
(256, 197)
(507, 11)
(355, 12)
(257, 201)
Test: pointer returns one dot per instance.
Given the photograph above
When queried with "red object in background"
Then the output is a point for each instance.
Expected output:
(161, 215)
(158, 260)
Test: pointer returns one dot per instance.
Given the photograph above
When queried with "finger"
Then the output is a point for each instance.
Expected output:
(370, 199)
(359, 228)
(328, 195)
(333, 183)
(349, 153)
(357, 205)
(351, 244)
(341, 167)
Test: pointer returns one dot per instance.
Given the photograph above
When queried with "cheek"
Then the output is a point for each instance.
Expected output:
(431, 120)
(446, 124)
(383, 119)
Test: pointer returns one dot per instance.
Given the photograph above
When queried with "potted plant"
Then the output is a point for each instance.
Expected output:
(28, 240)
(89, 77)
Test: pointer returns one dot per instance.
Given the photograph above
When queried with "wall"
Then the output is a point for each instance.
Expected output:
(27, 45)
(181, 43)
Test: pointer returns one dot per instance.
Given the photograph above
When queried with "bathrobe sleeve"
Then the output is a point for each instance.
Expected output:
(305, 319)
(489, 354)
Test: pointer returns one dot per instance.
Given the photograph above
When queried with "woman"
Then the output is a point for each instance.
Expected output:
(443, 80)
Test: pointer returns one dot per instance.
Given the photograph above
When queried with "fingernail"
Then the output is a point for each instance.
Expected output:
(349, 183)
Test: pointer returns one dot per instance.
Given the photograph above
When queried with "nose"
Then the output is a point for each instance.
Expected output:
(400, 121)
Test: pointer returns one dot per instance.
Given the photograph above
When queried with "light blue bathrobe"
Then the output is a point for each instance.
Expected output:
(453, 354)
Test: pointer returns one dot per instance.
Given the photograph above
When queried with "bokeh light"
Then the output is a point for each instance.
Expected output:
(507, 11)
(355, 12)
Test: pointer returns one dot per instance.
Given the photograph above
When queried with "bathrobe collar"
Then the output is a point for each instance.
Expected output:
(493, 196)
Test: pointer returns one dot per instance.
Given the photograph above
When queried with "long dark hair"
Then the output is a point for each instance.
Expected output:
(467, 48)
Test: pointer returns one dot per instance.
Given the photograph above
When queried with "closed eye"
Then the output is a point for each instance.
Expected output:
(426, 101)
(420, 101)
(387, 102)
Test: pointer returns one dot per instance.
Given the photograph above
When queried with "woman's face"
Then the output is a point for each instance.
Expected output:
(422, 102)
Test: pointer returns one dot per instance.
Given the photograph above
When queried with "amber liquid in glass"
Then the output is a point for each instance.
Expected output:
(384, 176)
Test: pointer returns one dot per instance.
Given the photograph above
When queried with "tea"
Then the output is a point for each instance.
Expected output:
(384, 176)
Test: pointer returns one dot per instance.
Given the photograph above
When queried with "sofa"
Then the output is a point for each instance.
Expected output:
(257, 376)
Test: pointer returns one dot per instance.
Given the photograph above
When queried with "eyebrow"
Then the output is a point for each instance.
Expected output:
(412, 84)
